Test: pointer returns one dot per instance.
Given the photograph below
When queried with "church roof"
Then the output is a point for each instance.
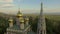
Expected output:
(16, 27)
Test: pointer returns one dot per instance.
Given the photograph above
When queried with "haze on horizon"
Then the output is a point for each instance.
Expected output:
(29, 6)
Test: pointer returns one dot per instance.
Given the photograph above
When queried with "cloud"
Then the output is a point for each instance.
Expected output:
(8, 0)
(6, 3)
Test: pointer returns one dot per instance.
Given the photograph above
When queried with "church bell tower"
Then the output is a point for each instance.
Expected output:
(41, 27)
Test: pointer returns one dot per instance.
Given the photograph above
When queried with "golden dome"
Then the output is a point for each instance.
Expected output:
(19, 14)
(27, 19)
(21, 18)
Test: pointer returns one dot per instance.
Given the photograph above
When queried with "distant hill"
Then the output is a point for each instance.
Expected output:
(5, 15)
(30, 14)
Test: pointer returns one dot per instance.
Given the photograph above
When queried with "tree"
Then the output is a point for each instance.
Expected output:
(3, 25)
(30, 20)
(34, 24)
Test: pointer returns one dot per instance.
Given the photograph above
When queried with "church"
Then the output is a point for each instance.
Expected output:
(22, 24)
(21, 27)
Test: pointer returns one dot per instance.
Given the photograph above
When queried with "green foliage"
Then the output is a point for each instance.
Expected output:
(58, 28)
(49, 26)
(34, 24)
(30, 20)
(3, 25)
(53, 26)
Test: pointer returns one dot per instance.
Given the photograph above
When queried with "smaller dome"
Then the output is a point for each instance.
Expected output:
(22, 20)
(10, 20)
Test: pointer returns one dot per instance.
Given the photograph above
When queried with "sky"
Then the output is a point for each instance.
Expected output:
(29, 6)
